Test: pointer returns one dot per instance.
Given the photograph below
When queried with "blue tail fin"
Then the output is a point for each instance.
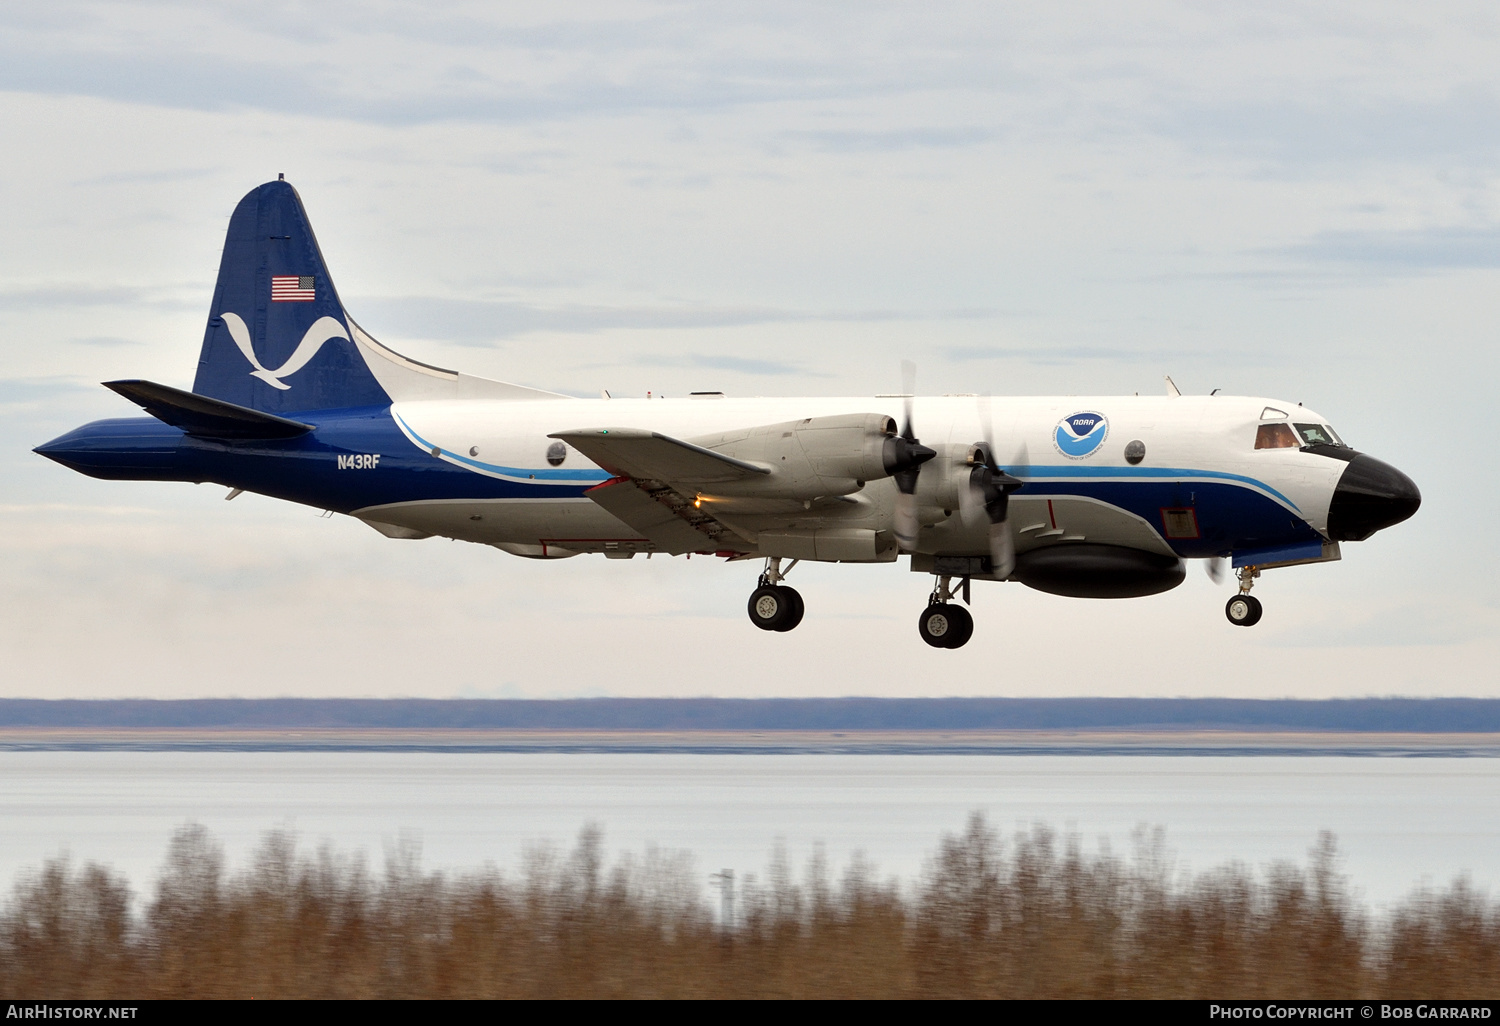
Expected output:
(278, 339)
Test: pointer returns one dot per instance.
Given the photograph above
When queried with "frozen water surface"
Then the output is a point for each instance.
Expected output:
(1398, 821)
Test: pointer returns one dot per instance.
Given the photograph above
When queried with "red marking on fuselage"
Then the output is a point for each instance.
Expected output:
(1051, 515)
(621, 479)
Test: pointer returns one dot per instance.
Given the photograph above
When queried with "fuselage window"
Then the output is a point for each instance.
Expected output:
(1318, 434)
(1276, 436)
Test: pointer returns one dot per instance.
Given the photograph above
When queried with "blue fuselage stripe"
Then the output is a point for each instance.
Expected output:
(549, 474)
(1144, 474)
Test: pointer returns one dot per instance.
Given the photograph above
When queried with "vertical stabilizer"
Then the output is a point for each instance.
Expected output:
(278, 339)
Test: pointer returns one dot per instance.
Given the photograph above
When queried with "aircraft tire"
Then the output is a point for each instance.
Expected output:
(961, 626)
(795, 608)
(937, 623)
(1243, 610)
(770, 609)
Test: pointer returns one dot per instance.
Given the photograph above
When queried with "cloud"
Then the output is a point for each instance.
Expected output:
(148, 177)
(1338, 127)
(105, 341)
(1287, 88)
(65, 296)
(23, 390)
(1054, 355)
(481, 322)
(1298, 279)
(398, 69)
(1414, 250)
(893, 140)
(740, 365)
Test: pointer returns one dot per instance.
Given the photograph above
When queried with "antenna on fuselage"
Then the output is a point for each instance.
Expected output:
(1172, 389)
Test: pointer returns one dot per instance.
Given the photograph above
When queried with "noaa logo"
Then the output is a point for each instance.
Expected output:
(1079, 434)
(323, 329)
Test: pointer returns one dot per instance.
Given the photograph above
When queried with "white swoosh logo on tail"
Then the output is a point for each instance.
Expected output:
(323, 329)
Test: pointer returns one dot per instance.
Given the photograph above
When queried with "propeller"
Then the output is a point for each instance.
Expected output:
(903, 458)
(1215, 565)
(989, 492)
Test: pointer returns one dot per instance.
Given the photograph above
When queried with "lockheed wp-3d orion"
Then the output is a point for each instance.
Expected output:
(1092, 497)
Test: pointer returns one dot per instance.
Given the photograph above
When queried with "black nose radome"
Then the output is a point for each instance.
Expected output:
(1369, 496)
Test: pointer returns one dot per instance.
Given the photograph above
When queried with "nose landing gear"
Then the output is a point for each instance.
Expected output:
(1243, 610)
(774, 606)
(944, 623)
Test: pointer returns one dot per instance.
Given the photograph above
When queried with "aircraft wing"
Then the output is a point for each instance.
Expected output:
(656, 478)
(638, 454)
(664, 516)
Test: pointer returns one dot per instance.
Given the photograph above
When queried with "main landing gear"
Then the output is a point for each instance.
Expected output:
(1244, 610)
(774, 606)
(944, 623)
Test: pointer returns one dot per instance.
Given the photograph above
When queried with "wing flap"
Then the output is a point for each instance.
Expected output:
(655, 519)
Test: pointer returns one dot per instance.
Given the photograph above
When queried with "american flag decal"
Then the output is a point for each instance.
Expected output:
(292, 288)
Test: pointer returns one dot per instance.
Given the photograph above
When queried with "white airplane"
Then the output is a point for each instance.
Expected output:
(1093, 497)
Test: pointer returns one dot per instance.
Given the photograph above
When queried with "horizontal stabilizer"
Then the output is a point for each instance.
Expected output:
(649, 455)
(205, 417)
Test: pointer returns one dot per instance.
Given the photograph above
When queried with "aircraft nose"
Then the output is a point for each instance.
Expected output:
(1370, 495)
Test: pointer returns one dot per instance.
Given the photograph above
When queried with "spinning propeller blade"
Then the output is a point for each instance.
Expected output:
(989, 491)
(903, 459)
(909, 390)
(905, 524)
(1216, 567)
(971, 499)
(1002, 550)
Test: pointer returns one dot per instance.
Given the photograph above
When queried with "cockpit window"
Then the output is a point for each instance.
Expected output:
(1318, 434)
(1276, 436)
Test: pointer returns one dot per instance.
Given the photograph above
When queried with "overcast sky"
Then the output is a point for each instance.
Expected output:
(1292, 200)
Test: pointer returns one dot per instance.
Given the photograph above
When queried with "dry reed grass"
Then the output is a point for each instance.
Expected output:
(1031, 917)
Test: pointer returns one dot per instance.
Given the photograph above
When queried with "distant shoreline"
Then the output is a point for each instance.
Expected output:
(1185, 742)
(1163, 716)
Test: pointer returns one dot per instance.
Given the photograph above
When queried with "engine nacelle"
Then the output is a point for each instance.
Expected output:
(830, 545)
(809, 458)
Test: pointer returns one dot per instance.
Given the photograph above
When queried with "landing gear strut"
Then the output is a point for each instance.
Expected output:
(1244, 609)
(944, 623)
(774, 606)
